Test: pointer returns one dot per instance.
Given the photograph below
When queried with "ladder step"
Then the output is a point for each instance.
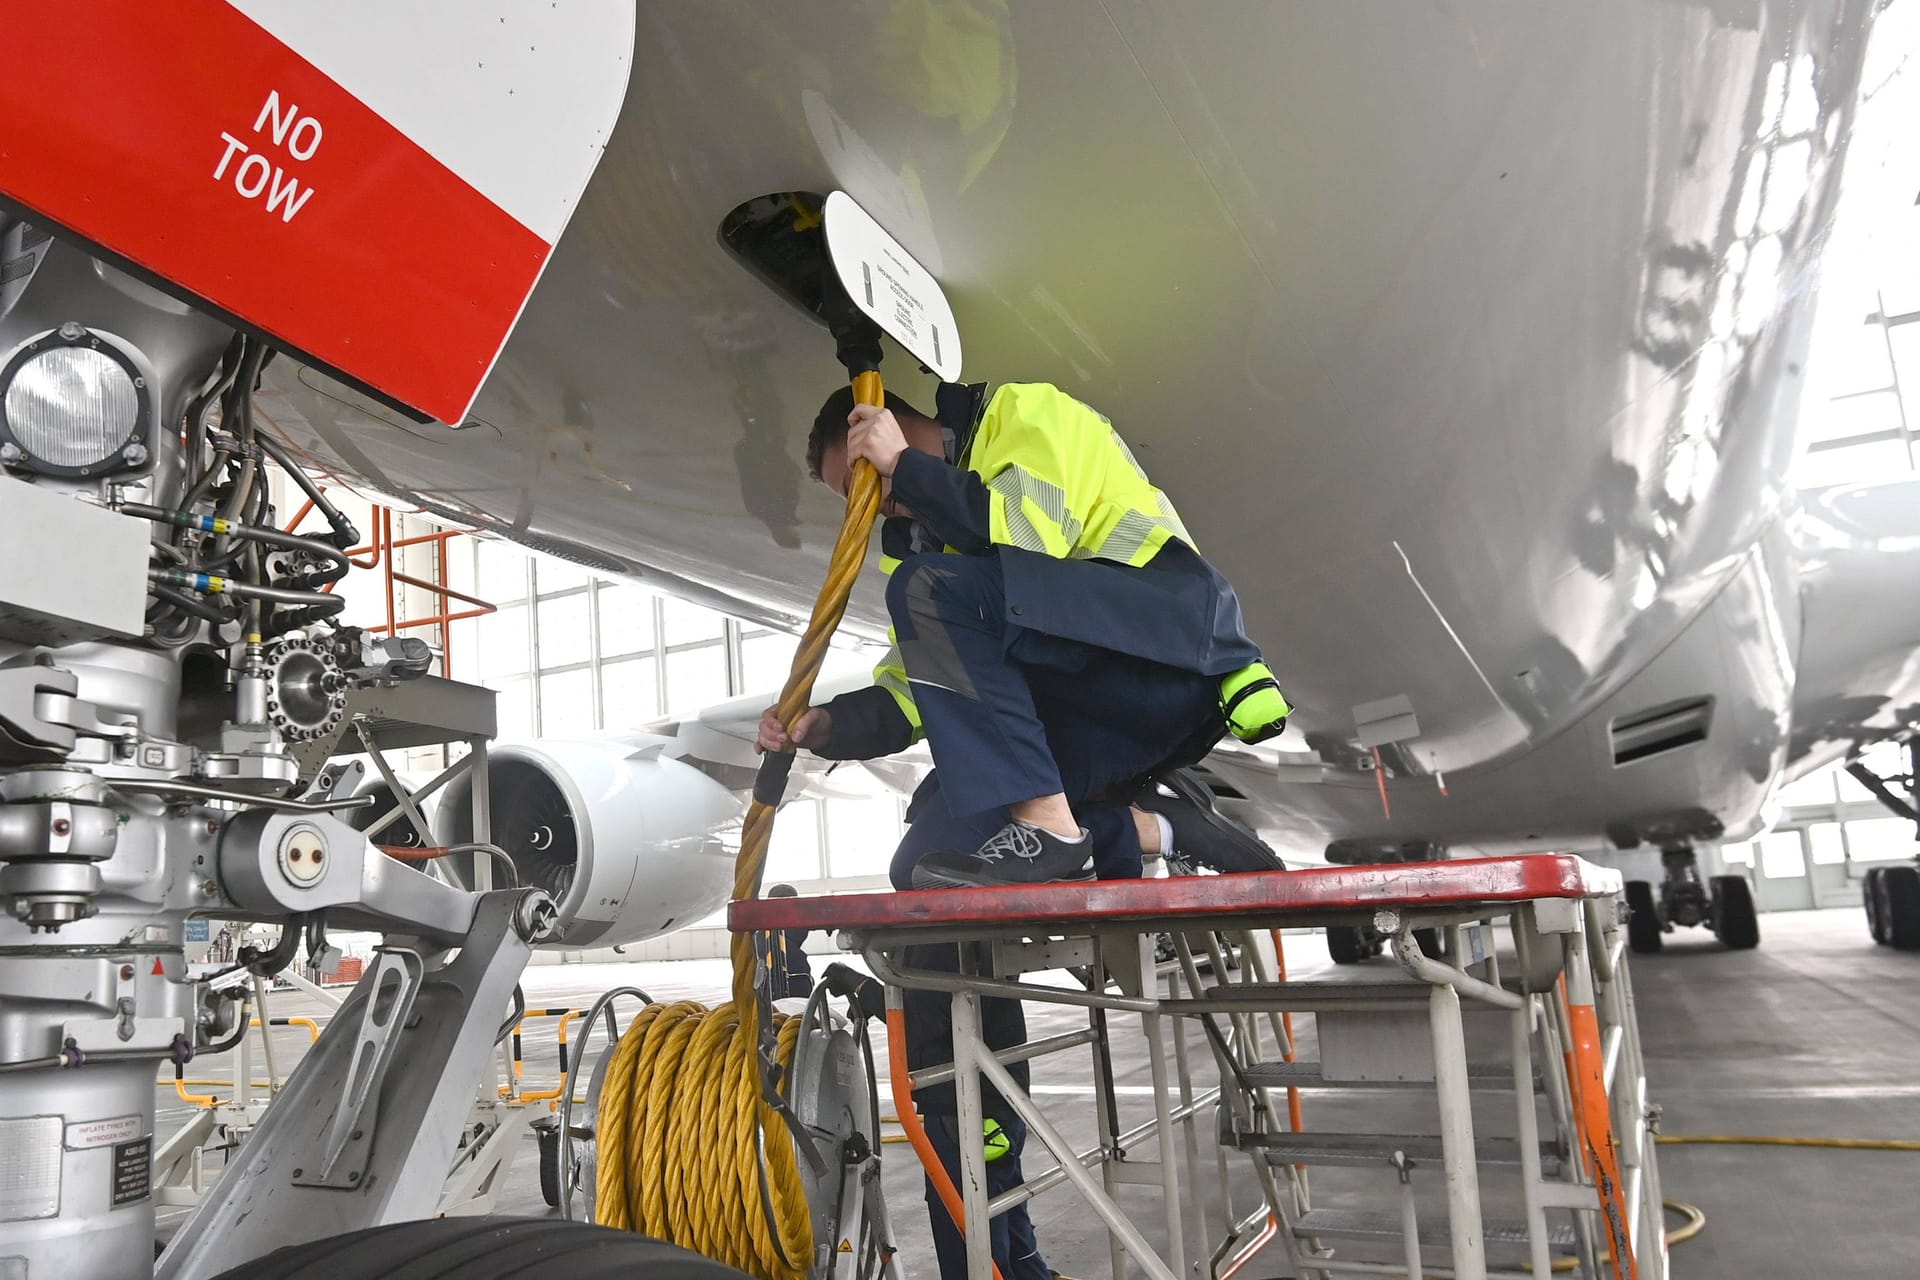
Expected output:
(1307, 1075)
(1348, 1224)
(1306, 996)
(1366, 1150)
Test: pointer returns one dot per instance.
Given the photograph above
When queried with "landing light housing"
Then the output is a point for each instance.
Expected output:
(73, 403)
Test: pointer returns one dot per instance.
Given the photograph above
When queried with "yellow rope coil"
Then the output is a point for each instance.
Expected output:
(683, 1126)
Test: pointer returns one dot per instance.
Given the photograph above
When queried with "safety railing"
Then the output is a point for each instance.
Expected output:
(511, 1089)
(181, 1084)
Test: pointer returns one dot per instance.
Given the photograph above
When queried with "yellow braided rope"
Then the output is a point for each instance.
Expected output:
(682, 1124)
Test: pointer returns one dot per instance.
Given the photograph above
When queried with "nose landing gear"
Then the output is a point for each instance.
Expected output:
(1723, 903)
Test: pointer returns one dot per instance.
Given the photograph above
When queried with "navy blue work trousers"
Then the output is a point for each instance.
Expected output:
(1013, 714)
(1015, 1251)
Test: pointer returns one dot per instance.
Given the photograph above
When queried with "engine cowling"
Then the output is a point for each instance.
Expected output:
(629, 844)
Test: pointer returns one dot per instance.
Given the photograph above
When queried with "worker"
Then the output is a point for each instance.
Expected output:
(789, 974)
(1065, 651)
(1059, 641)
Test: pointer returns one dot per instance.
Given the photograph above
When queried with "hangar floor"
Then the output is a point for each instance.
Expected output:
(1814, 1035)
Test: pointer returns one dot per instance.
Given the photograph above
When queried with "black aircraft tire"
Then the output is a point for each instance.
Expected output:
(1433, 943)
(1735, 921)
(1346, 945)
(490, 1248)
(1901, 906)
(1874, 895)
(1643, 919)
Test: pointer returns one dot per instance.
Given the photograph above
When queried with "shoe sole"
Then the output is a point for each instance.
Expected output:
(923, 879)
(1258, 855)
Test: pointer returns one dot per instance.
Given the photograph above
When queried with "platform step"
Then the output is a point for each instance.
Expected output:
(1307, 1075)
(1384, 1228)
(1366, 1150)
(1301, 997)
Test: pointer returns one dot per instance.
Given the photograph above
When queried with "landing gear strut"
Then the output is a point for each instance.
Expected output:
(1892, 894)
(1723, 903)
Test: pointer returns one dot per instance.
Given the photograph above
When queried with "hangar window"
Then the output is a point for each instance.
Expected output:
(1781, 857)
(1828, 848)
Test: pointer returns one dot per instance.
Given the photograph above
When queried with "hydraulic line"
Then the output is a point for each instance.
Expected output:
(188, 605)
(428, 853)
(245, 532)
(689, 1148)
(214, 584)
(344, 534)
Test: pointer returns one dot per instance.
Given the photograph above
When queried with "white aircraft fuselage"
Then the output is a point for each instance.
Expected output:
(1469, 340)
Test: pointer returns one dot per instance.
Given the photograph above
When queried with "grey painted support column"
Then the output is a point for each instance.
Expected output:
(1110, 1213)
(969, 1053)
(1456, 1134)
(1528, 1129)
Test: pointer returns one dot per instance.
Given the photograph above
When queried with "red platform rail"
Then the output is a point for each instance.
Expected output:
(1330, 890)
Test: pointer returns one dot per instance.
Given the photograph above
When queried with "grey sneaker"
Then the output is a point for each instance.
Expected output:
(1018, 853)
(1201, 833)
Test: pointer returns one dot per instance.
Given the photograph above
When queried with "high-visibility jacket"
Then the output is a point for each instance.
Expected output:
(1090, 549)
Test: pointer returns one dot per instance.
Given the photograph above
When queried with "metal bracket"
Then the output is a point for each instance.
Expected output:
(398, 973)
(27, 730)
(401, 796)
(265, 1199)
(770, 1093)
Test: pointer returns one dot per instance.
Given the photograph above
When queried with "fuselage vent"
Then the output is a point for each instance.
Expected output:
(1660, 729)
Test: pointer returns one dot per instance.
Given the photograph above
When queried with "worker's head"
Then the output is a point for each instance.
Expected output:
(783, 891)
(827, 445)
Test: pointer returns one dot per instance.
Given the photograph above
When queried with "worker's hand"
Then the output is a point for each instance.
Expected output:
(814, 729)
(875, 435)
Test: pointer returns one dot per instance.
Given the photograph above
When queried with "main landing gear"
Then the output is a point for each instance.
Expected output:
(1892, 894)
(1893, 906)
(1723, 903)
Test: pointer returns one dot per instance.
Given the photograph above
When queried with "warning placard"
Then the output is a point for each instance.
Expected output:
(893, 289)
(375, 186)
(132, 1171)
(82, 1134)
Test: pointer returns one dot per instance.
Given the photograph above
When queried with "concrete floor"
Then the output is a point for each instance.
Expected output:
(1813, 1035)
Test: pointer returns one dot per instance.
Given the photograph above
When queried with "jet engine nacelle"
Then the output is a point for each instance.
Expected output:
(630, 845)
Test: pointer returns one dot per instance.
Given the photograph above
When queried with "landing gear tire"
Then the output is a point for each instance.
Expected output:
(1735, 922)
(1643, 919)
(1900, 906)
(484, 1249)
(1874, 894)
(1346, 944)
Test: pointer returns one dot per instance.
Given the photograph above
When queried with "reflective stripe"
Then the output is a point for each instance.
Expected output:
(1010, 490)
(891, 675)
(1061, 482)
(1137, 537)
